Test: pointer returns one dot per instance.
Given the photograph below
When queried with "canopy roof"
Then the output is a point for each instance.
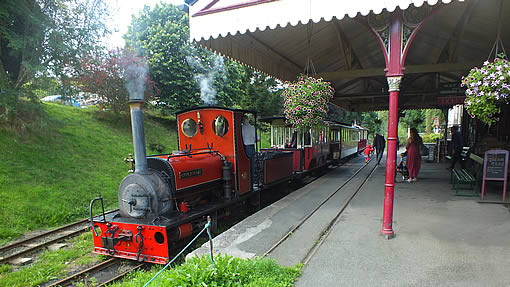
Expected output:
(278, 37)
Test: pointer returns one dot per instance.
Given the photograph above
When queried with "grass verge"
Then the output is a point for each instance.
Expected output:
(51, 170)
(51, 265)
(226, 271)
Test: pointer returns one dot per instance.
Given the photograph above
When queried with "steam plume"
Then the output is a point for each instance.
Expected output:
(205, 73)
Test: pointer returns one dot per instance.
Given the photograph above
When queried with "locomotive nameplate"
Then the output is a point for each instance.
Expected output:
(191, 173)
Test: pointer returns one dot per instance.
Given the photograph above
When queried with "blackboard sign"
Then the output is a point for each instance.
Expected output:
(495, 167)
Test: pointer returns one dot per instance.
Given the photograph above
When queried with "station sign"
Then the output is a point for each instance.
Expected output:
(450, 101)
(451, 88)
(495, 167)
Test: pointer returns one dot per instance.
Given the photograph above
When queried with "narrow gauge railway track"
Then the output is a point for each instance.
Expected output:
(38, 242)
(332, 222)
(112, 263)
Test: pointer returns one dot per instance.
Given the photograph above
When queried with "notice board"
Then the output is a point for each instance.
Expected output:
(495, 167)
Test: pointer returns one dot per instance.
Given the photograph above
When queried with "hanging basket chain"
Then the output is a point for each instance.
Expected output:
(309, 67)
(498, 41)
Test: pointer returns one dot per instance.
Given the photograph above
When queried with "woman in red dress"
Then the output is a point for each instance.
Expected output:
(413, 155)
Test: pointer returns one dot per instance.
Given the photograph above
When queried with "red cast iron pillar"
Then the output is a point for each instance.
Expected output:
(394, 73)
(389, 186)
(395, 32)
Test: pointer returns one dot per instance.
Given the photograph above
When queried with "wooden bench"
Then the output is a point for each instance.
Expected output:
(472, 177)
(463, 155)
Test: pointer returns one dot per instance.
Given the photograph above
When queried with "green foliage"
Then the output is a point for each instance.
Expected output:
(53, 170)
(38, 37)
(413, 119)
(162, 36)
(370, 120)
(51, 264)
(431, 138)
(487, 89)
(5, 268)
(227, 271)
(113, 76)
(188, 75)
(262, 93)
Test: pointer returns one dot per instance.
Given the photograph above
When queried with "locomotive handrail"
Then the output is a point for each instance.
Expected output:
(191, 153)
(91, 217)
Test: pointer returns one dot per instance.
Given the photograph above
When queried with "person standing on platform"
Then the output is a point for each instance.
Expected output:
(457, 144)
(413, 155)
(379, 145)
(249, 138)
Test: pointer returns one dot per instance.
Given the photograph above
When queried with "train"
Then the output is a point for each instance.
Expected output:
(167, 197)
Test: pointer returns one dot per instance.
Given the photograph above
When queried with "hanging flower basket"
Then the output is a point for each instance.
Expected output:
(487, 89)
(306, 101)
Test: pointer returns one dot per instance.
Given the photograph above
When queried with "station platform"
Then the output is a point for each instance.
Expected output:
(441, 239)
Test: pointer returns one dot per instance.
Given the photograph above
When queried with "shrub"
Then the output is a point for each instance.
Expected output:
(431, 138)
(227, 271)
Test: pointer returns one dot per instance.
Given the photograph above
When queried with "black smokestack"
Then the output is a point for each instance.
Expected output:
(135, 77)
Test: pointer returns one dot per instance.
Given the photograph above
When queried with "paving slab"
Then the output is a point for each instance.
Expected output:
(441, 239)
(260, 231)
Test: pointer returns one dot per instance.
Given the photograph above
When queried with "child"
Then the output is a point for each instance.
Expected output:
(368, 149)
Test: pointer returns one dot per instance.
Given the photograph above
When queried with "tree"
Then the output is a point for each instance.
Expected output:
(368, 120)
(108, 75)
(41, 37)
(189, 75)
(162, 36)
(262, 93)
(413, 119)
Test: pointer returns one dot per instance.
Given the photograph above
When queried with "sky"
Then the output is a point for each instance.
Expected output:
(121, 17)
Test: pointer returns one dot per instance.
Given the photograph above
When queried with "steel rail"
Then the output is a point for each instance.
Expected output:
(68, 280)
(45, 234)
(42, 245)
(121, 275)
(304, 219)
(334, 221)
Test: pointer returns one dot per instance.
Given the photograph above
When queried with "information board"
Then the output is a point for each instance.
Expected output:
(495, 167)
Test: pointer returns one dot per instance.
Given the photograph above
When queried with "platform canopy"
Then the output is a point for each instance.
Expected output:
(278, 37)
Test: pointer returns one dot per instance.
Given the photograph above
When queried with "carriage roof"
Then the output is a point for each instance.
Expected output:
(329, 123)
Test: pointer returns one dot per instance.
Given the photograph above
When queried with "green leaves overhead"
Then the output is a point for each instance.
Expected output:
(40, 38)
(188, 75)
(161, 35)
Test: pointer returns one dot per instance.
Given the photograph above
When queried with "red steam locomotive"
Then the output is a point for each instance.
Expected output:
(169, 196)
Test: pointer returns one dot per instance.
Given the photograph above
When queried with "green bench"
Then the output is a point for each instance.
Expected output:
(471, 177)
(463, 155)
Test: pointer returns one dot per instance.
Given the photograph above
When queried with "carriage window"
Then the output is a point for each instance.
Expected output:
(220, 126)
(189, 127)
